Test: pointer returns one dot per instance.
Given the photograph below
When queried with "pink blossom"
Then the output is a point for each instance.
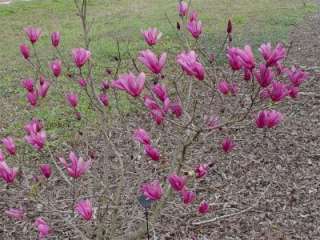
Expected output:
(151, 61)
(293, 91)
(223, 87)
(25, 51)
(55, 39)
(72, 99)
(151, 36)
(193, 16)
(268, 119)
(201, 170)
(264, 76)
(234, 89)
(104, 85)
(84, 208)
(247, 76)
(187, 196)
(262, 119)
(77, 167)
(278, 91)
(32, 98)
(34, 125)
(33, 34)
(37, 139)
(297, 76)
(82, 82)
(176, 109)
(55, 66)
(152, 191)
(9, 145)
(246, 57)
(160, 91)
(228, 145)
(6, 173)
(44, 87)
(152, 152)
(130, 83)
(28, 84)
(183, 8)
(15, 213)
(195, 28)
(233, 59)
(212, 121)
(272, 57)
(203, 207)
(104, 99)
(80, 56)
(45, 169)
(142, 136)
(177, 182)
(155, 110)
(190, 65)
(42, 227)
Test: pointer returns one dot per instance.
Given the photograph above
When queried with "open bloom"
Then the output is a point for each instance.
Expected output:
(151, 61)
(195, 28)
(55, 66)
(160, 91)
(77, 167)
(227, 145)
(6, 173)
(223, 87)
(278, 91)
(28, 84)
(151, 36)
(187, 196)
(32, 97)
(37, 139)
(55, 39)
(234, 59)
(80, 56)
(42, 227)
(203, 207)
(152, 152)
(177, 182)
(152, 191)
(246, 57)
(142, 136)
(156, 112)
(190, 65)
(268, 119)
(72, 99)
(15, 213)
(25, 51)
(33, 34)
(297, 76)
(201, 170)
(272, 57)
(130, 83)
(293, 91)
(264, 76)
(9, 145)
(84, 209)
(45, 169)
(183, 8)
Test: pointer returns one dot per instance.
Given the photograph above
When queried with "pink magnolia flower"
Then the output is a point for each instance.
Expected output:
(234, 59)
(278, 91)
(80, 56)
(246, 57)
(151, 61)
(272, 57)
(6, 173)
(223, 87)
(32, 97)
(187, 196)
(234, 89)
(84, 208)
(55, 39)
(155, 110)
(33, 126)
(195, 28)
(33, 34)
(176, 109)
(104, 99)
(268, 119)
(177, 182)
(152, 191)
(130, 83)
(55, 66)
(15, 213)
(151, 36)
(264, 76)
(104, 85)
(152, 152)
(293, 91)
(228, 145)
(297, 76)
(42, 227)
(9, 145)
(25, 51)
(72, 99)
(45, 169)
(212, 121)
(142, 136)
(201, 170)
(183, 8)
(78, 166)
(82, 82)
(193, 16)
(262, 119)
(247, 76)
(203, 207)
(160, 91)
(28, 84)
(2, 158)
(37, 139)
(190, 65)
(43, 89)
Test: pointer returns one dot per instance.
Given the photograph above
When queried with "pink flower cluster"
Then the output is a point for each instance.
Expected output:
(36, 136)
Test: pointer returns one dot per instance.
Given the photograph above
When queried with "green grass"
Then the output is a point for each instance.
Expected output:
(255, 21)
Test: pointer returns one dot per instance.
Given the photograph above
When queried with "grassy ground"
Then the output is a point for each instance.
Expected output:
(254, 21)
